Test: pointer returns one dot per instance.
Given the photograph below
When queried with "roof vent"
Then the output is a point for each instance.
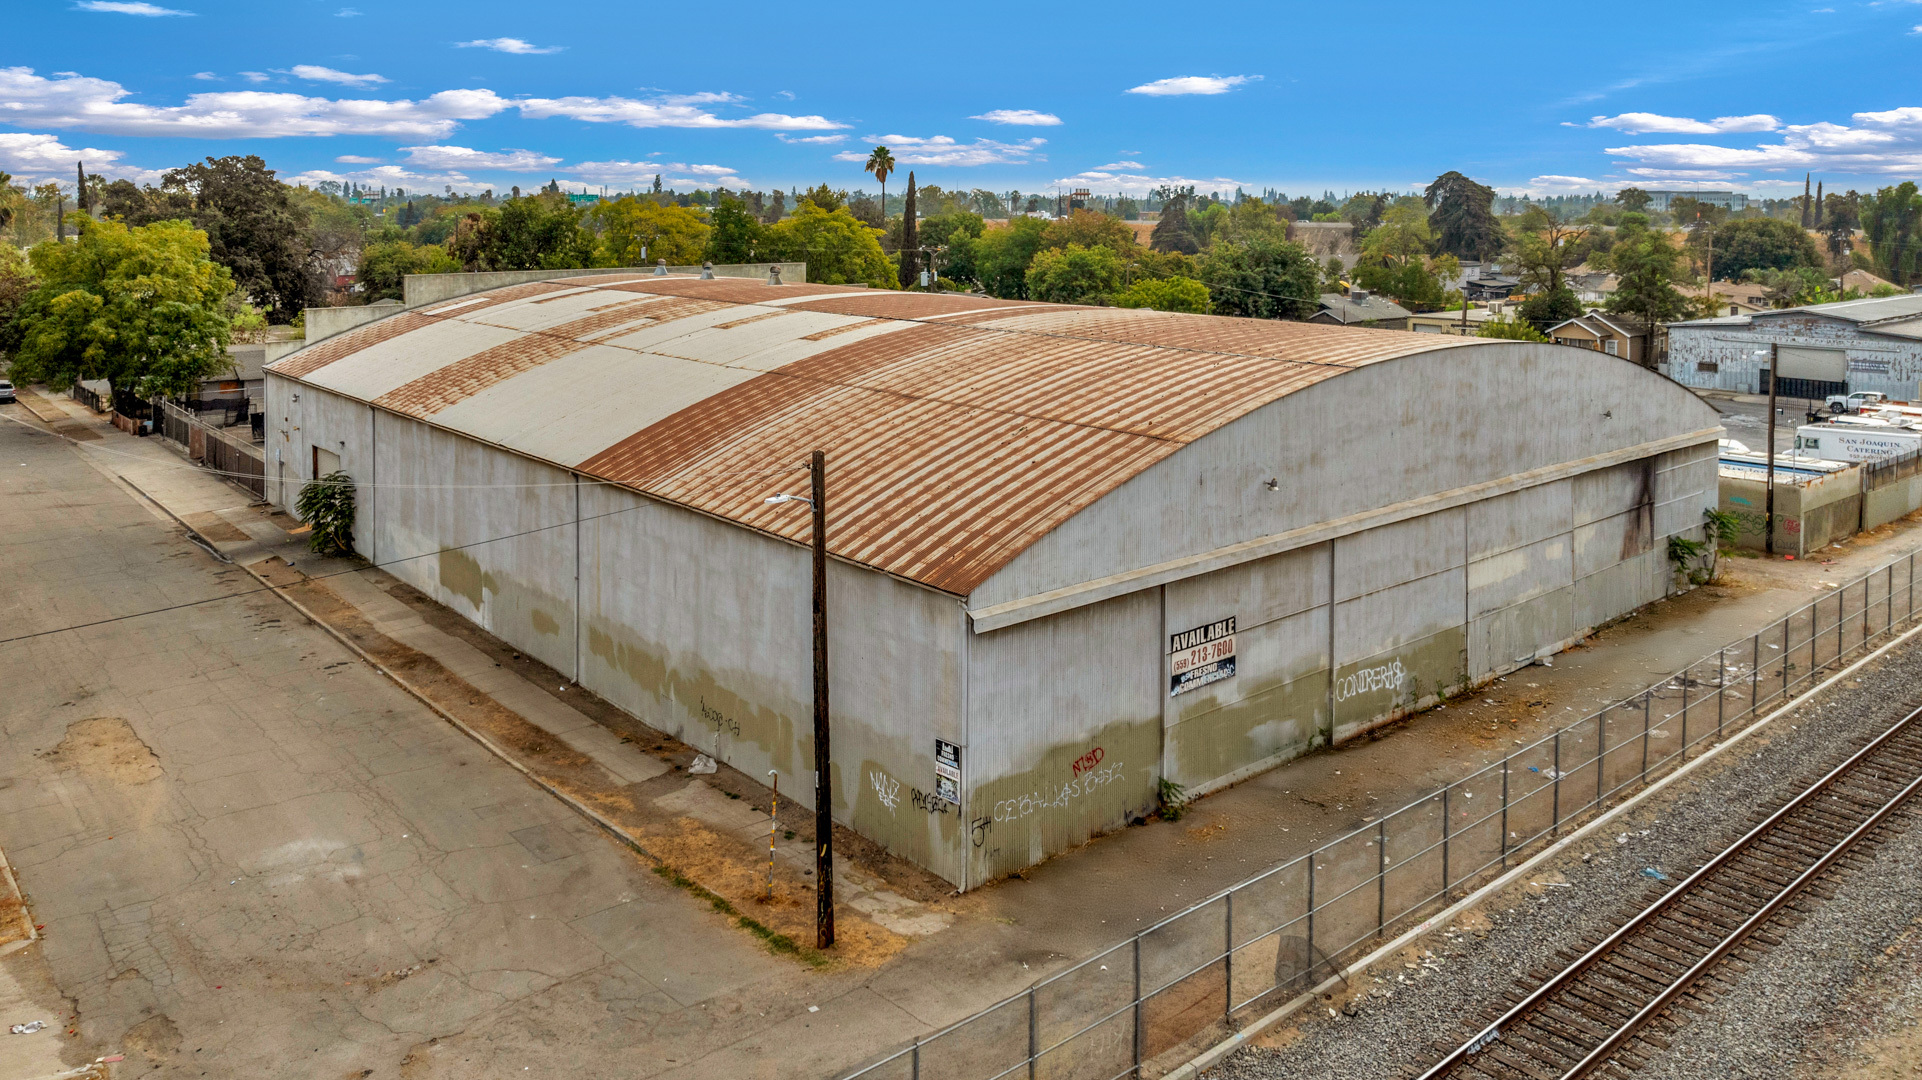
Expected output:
(1359, 296)
(774, 274)
(707, 271)
(660, 267)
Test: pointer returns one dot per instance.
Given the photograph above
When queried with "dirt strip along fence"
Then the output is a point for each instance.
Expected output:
(239, 461)
(1188, 980)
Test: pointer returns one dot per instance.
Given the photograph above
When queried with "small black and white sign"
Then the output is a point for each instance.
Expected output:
(1201, 656)
(947, 771)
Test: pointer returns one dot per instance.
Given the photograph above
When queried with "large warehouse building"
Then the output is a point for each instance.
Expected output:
(1080, 550)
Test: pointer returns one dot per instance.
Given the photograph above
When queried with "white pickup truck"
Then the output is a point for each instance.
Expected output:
(1856, 402)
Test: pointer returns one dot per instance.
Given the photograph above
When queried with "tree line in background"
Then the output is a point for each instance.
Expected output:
(238, 249)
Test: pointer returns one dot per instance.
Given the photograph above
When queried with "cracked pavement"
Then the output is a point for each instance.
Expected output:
(254, 856)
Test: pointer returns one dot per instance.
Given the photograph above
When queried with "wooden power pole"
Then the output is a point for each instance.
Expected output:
(823, 783)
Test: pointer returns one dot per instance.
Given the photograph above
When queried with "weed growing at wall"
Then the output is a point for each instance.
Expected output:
(328, 505)
(1174, 799)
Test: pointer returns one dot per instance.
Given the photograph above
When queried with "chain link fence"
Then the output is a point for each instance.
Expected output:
(1188, 979)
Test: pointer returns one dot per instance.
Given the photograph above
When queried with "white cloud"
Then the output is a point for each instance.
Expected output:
(942, 150)
(355, 159)
(509, 45)
(91, 104)
(460, 158)
(634, 174)
(1684, 177)
(816, 140)
(316, 73)
(117, 7)
(1106, 182)
(347, 13)
(673, 110)
(33, 158)
(206, 76)
(257, 76)
(1638, 123)
(1021, 117)
(1192, 84)
(1121, 165)
(1888, 141)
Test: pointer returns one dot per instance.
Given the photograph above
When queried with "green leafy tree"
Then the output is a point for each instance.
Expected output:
(838, 248)
(533, 232)
(385, 264)
(1173, 232)
(1796, 286)
(1892, 222)
(1548, 309)
(735, 236)
(1647, 265)
(1510, 330)
(1394, 258)
(139, 307)
(16, 282)
(1263, 278)
(627, 226)
(1091, 228)
(1461, 214)
(1543, 249)
(1002, 256)
(1634, 200)
(1841, 216)
(958, 231)
(1074, 275)
(1746, 244)
(254, 228)
(327, 503)
(825, 197)
(1166, 294)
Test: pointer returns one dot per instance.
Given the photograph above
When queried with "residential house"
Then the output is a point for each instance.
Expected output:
(1490, 287)
(1591, 287)
(1458, 323)
(1616, 335)
(1866, 283)
(1361, 308)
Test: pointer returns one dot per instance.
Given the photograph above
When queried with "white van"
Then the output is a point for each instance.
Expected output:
(1855, 442)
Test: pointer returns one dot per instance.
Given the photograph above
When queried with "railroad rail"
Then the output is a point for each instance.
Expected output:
(1597, 1011)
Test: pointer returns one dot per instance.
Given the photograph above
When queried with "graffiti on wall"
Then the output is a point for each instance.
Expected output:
(886, 788)
(1389, 676)
(721, 722)
(1083, 785)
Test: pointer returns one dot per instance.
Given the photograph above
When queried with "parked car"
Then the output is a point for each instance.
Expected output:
(6, 391)
(1854, 403)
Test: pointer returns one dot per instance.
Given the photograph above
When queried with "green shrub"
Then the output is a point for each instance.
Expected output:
(328, 505)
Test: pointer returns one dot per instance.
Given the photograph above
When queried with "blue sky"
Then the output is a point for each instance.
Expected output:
(1543, 97)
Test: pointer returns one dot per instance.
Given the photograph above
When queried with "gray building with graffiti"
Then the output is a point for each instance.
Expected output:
(1074, 552)
(1821, 349)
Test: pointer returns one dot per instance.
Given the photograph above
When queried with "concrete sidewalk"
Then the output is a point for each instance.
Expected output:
(932, 959)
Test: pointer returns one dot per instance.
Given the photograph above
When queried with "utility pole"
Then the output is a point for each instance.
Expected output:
(1768, 512)
(823, 785)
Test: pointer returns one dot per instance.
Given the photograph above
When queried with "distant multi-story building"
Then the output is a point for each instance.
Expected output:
(1733, 200)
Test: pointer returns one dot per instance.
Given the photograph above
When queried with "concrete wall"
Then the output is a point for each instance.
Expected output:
(699, 628)
(421, 289)
(1889, 364)
(1808, 516)
(1890, 501)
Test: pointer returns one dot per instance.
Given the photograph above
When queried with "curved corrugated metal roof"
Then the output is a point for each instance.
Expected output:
(959, 430)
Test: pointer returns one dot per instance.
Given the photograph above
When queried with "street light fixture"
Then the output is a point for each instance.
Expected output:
(816, 500)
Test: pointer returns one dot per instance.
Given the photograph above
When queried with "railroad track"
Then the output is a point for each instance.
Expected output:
(1604, 1013)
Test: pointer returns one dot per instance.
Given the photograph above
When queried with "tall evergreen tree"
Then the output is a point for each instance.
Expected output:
(1461, 214)
(1174, 232)
(1817, 217)
(909, 239)
(1805, 198)
(80, 189)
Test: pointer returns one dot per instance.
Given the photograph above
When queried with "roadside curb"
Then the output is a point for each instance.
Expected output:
(1209, 1058)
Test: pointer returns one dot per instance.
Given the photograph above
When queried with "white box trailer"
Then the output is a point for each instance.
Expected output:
(1854, 442)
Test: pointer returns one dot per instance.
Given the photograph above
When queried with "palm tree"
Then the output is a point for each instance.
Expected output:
(881, 163)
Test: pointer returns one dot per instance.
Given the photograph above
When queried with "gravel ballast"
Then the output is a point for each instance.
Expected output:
(1770, 1023)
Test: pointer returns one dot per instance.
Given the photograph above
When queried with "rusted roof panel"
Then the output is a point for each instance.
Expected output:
(959, 430)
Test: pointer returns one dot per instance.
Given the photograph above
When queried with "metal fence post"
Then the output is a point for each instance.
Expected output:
(1311, 916)
(1785, 650)
(1685, 677)
(1601, 752)
(914, 1060)
(1555, 803)
(1721, 692)
(1911, 610)
(1504, 836)
(1381, 876)
(1647, 696)
(1228, 963)
(1755, 675)
(1137, 1008)
(1445, 841)
(1034, 1034)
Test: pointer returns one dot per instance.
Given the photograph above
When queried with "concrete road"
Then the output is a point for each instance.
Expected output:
(253, 856)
